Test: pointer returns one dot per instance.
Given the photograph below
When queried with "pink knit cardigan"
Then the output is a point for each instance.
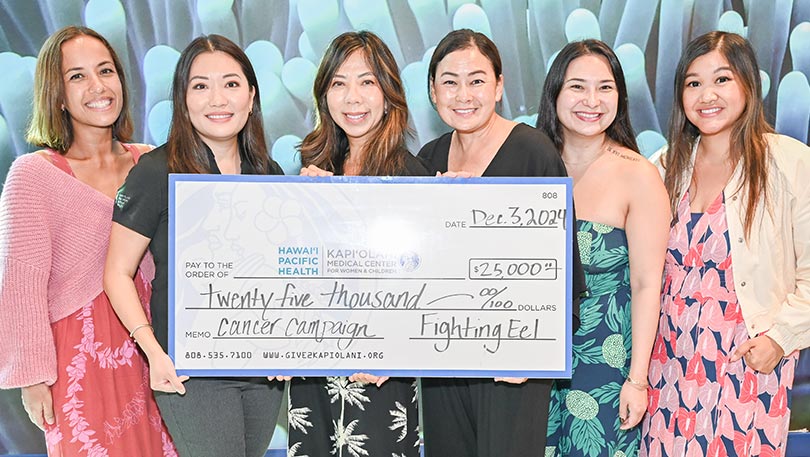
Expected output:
(54, 233)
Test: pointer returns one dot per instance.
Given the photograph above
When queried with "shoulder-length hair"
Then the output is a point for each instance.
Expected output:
(620, 130)
(51, 125)
(326, 146)
(748, 147)
(185, 149)
(464, 39)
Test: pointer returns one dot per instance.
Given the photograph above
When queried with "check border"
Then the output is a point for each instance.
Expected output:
(569, 221)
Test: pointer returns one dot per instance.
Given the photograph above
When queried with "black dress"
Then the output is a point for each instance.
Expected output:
(467, 417)
(333, 416)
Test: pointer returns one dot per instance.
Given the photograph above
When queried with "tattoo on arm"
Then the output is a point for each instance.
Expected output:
(635, 158)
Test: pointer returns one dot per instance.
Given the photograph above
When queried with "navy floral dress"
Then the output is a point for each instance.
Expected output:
(584, 417)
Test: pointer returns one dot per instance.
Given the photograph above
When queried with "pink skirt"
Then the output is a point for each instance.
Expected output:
(102, 400)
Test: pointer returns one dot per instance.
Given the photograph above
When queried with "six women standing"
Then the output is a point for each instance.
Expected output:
(727, 342)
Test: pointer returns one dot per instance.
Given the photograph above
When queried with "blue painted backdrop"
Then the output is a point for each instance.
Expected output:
(285, 39)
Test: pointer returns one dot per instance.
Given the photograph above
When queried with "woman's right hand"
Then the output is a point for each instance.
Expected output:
(163, 376)
(312, 170)
(38, 403)
(632, 405)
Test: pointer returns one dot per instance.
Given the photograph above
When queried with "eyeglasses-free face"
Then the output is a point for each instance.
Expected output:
(588, 100)
(713, 98)
(93, 92)
(219, 98)
(466, 90)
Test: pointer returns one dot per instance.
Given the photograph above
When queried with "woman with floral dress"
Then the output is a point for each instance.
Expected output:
(736, 296)
(622, 233)
(83, 380)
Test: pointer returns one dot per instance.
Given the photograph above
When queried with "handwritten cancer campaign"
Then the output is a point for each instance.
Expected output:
(395, 276)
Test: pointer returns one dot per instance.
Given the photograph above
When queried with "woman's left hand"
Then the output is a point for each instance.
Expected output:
(366, 378)
(761, 354)
(632, 404)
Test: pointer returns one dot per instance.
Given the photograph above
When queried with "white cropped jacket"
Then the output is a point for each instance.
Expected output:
(772, 268)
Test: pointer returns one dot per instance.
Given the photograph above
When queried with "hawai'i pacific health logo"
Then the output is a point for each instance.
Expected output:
(409, 261)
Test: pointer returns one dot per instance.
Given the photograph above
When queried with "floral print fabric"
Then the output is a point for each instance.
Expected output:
(583, 416)
(102, 399)
(333, 416)
(700, 403)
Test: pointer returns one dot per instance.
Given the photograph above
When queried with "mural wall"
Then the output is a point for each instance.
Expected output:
(285, 39)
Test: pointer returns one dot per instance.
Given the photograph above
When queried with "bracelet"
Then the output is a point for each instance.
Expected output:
(636, 384)
(138, 327)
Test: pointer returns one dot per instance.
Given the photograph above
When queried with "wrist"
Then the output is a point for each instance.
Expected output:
(636, 383)
(150, 347)
(140, 327)
(638, 375)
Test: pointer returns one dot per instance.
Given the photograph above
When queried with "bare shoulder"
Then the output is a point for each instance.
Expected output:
(633, 167)
(624, 154)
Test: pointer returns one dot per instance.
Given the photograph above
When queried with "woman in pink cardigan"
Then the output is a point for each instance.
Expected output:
(83, 380)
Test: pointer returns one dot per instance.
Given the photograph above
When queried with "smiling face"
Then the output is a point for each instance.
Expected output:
(218, 98)
(713, 98)
(355, 100)
(588, 99)
(93, 92)
(466, 90)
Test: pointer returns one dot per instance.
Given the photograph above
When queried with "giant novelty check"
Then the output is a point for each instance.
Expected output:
(393, 276)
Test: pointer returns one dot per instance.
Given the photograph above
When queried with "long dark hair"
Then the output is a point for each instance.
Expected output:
(620, 130)
(748, 143)
(50, 126)
(326, 147)
(185, 149)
